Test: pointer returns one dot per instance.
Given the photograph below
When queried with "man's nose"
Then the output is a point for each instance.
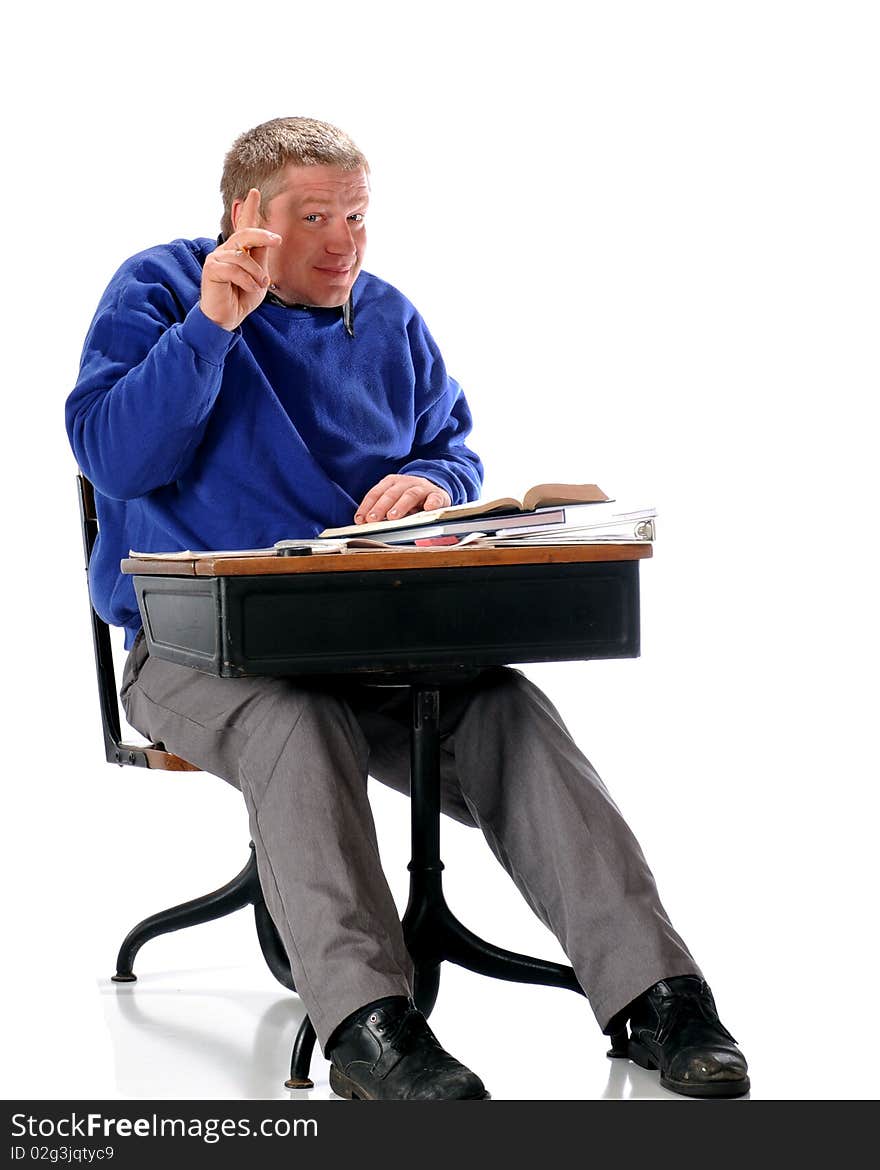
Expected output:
(341, 239)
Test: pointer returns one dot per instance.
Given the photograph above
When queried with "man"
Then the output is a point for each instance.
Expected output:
(235, 393)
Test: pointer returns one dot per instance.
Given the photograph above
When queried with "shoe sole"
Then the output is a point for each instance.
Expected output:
(344, 1087)
(644, 1059)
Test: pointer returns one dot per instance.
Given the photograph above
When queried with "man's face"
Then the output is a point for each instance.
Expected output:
(319, 212)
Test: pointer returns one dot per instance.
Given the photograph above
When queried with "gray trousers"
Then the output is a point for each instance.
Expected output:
(300, 755)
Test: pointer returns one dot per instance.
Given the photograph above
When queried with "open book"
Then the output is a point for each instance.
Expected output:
(542, 495)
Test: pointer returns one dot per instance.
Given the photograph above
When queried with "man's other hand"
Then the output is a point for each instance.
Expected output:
(399, 495)
(236, 274)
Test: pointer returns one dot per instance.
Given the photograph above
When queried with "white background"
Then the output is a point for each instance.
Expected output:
(645, 236)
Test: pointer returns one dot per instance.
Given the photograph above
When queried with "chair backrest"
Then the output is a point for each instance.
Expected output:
(139, 755)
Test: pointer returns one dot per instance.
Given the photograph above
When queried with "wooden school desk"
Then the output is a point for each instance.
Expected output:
(416, 617)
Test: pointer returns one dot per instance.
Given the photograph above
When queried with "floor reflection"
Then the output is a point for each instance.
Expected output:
(174, 1036)
(215, 1033)
(628, 1081)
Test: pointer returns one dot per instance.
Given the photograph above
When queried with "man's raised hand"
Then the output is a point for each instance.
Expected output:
(236, 274)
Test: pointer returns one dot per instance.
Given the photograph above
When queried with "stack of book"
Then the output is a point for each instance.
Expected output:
(547, 514)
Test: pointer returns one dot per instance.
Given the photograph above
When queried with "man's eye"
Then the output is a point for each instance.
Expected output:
(357, 217)
(313, 217)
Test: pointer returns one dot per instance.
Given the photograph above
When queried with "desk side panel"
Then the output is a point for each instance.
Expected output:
(182, 619)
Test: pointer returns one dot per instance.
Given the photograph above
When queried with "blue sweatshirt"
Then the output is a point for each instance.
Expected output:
(198, 438)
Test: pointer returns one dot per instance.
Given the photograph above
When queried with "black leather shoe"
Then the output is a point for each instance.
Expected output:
(387, 1052)
(674, 1027)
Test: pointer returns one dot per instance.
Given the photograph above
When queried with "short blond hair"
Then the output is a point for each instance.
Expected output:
(257, 158)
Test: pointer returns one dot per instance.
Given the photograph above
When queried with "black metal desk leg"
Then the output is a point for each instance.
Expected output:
(425, 785)
(425, 867)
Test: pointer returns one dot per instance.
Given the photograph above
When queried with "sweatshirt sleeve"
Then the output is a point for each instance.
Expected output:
(150, 373)
(443, 423)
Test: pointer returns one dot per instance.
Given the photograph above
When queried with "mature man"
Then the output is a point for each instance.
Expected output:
(237, 392)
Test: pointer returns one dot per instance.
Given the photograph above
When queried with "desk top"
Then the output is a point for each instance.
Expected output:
(361, 560)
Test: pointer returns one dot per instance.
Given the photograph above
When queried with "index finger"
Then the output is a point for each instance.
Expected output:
(372, 495)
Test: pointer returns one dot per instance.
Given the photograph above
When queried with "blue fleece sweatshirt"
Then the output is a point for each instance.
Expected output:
(195, 437)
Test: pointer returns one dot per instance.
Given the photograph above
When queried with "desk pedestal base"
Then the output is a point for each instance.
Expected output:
(431, 930)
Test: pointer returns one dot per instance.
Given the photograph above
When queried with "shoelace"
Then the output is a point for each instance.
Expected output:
(395, 1037)
(682, 1007)
(398, 1029)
